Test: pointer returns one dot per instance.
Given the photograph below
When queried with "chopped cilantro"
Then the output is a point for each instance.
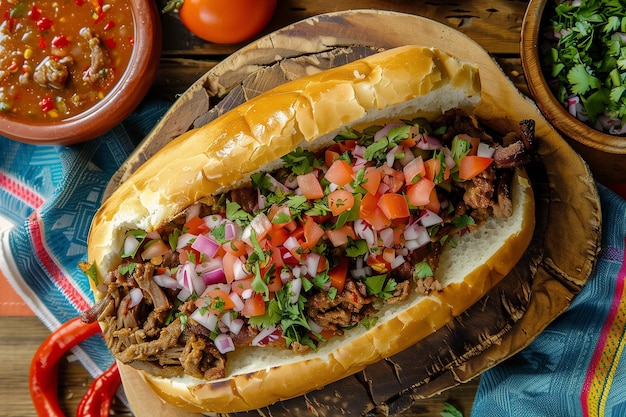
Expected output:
(422, 270)
(450, 411)
(235, 213)
(463, 220)
(128, 268)
(356, 248)
(300, 161)
(380, 286)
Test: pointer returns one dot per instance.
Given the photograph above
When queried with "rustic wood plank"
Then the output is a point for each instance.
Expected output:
(495, 25)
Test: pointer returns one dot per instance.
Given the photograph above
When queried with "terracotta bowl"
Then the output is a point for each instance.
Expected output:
(558, 115)
(119, 103)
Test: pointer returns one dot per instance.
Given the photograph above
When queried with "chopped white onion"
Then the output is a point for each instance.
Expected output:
(295, 289)
(314, 326)
(136, 295)
(239, 270)
(165, 281)
(430, 218)
(184, 240)
(312, 263)
(485, 150)
(398, 260)
(130, 245)
(213, 220)
(387, 237)
(208, 319)
(236, 299)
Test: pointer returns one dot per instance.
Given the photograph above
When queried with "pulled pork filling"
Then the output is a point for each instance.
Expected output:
(309, 251)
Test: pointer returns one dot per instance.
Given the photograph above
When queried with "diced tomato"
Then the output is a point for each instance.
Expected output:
(235, 247)
(472, 165)
(346, 145)
(310, 186)
(253, 306)
(338, 274)
(433, 169)
(474, 142)
(213, 301)
(369, 202)
(378, 263)
(241, 285)
(434, 205)
(410, 141)
(278, 236)
(371, 180)
(414, 170)
(228, 262)
(339, 237)
(394, 206)
(340, 172)
(196, 226)
(313, 232)
(274, 283)
(330, 155)
(377, 219)
(284, 213)
(340, 201)
(394, 179)
(418, 194)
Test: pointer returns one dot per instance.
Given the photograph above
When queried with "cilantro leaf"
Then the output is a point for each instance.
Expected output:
(300, 161)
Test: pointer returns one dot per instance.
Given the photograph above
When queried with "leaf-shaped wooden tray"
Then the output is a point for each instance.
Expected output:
(557, 264)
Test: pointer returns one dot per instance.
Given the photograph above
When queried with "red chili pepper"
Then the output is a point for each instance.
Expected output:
(60, 41)
(109, 25)
(34, 13)
(44, 374)
(44, 24)
(44, 370)
(110, 43)
(46, 104)
(97, 400)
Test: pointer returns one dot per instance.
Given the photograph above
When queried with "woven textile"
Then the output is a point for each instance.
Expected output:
(577, 366)
(48, 196)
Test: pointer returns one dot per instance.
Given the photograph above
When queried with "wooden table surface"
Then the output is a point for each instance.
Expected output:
(495, 24)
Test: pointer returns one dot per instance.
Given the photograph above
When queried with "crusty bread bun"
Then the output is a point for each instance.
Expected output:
(404, 82)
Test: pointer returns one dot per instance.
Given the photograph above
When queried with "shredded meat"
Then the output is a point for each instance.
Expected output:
(52, 72)
(99, 58)
(347, 308)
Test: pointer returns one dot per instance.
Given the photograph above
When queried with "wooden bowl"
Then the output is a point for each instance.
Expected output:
(556, 114)
(605, 154)
(117, 104)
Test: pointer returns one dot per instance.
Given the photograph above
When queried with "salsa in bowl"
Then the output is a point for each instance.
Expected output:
(72, 69)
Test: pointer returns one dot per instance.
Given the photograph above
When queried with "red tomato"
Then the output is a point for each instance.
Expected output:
(394, 206)
(226, 22)
(472, 165)
(340, 172)
(419, 193)
(340, 201)
(310, 186)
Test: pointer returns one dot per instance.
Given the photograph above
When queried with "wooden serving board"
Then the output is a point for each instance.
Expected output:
(503, 322)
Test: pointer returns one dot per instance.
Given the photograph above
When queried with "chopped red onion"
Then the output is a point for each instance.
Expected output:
(387, 237)
(214, 277)
(231, 230)
(183, 294)
(398, 260)
(427, 142)
(260, 224)
(213, 220)
(187, 277)
(266, 336)
(224, 343)
(365, 231)
(359, 151)
(206, 245)
(192, 211)
(385, 130)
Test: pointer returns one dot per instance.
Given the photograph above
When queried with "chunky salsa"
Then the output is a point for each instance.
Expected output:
(60, 57)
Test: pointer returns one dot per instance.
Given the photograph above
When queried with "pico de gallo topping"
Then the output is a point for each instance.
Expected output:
(59, 58)
(305, 252)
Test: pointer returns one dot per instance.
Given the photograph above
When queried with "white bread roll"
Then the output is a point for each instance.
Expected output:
(404, 82)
